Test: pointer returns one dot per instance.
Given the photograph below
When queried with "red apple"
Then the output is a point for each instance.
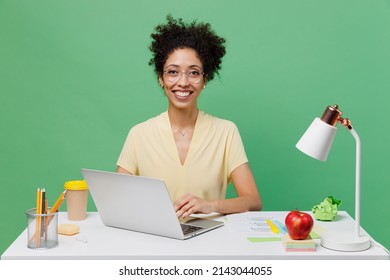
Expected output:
(298, 224)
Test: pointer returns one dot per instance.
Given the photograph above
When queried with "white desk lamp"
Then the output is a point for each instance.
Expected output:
(316, 142)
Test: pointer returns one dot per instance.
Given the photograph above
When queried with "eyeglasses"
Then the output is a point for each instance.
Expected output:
(193, 75)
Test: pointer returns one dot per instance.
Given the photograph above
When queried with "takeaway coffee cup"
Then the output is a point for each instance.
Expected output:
(76, 199)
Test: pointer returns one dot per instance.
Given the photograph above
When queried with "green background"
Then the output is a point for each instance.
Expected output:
(74, 78)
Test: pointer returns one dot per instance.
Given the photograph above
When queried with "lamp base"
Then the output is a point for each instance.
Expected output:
(345, 241)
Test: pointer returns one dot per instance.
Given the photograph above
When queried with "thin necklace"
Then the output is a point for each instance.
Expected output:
(182, 133)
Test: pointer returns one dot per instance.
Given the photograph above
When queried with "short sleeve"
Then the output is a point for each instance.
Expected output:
(128, 156)
(236, 155)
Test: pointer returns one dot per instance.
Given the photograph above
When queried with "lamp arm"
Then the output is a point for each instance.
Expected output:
(357, 182)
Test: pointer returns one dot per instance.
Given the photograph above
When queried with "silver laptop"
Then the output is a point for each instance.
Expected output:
(140, 204)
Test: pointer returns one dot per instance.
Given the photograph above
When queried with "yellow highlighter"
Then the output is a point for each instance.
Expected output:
(274, 228)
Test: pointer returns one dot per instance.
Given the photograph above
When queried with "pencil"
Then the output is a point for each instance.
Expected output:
(43, 199)
(274, 228)
(37, 201)
(38, 219)
(58, 203)
(45, 219)
(55, 207)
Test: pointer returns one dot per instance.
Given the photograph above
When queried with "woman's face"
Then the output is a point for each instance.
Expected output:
(183, 78)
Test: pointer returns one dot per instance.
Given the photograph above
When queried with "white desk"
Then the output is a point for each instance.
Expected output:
(222, 243)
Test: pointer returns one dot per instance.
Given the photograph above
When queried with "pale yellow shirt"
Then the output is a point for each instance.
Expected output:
(216, 149)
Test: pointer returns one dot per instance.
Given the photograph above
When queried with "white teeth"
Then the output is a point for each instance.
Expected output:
(182, 93)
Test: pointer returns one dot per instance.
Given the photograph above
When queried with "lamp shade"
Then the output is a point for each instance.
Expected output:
(317, 140)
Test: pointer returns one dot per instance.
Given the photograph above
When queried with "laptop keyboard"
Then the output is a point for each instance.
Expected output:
(189, 228)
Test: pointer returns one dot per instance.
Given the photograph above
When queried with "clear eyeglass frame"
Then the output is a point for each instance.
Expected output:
(194, 76)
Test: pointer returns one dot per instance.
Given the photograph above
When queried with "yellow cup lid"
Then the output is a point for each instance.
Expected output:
(76, 185)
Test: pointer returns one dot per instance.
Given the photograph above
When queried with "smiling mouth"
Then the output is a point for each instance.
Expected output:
(182, 93)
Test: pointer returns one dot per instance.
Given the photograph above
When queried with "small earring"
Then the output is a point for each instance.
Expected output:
(204, 86)
(161, 85)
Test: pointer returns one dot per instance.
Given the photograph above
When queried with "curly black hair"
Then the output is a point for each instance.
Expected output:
(198, 36)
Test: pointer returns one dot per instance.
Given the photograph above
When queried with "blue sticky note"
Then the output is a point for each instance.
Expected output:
(280, 225)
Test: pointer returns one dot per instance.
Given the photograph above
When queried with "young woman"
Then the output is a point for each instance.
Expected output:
(196, 154)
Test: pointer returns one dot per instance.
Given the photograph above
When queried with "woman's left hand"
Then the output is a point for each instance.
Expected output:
(189, 204)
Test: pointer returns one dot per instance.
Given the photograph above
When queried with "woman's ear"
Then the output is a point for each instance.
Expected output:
(161, 81)
(204, 81)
